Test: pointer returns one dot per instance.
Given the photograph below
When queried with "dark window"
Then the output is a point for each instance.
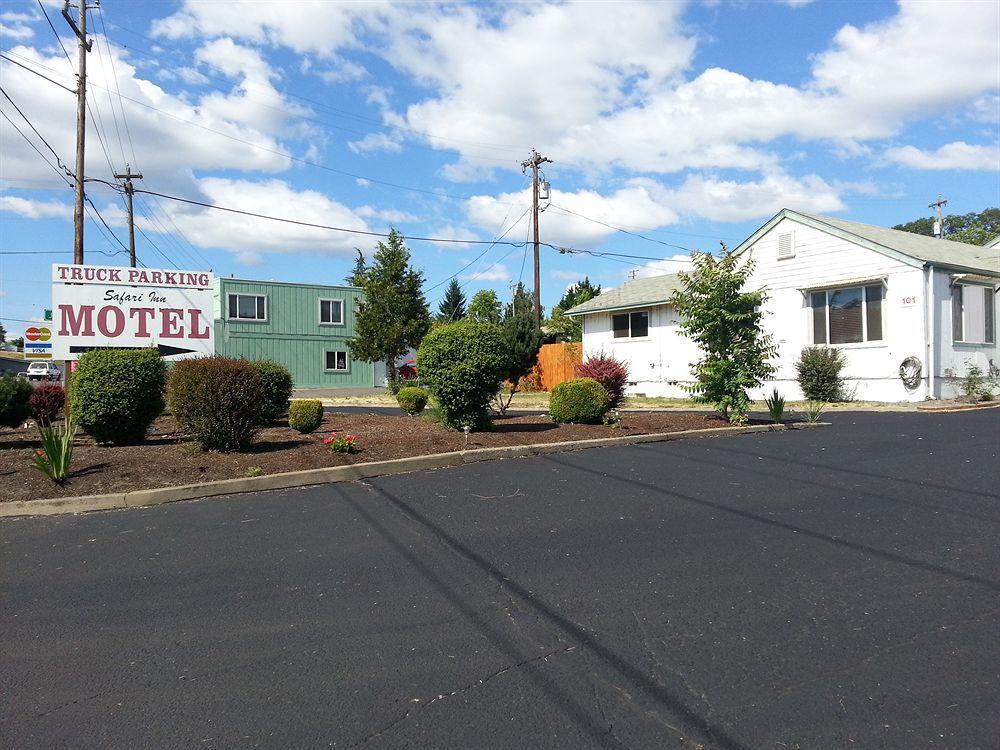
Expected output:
(247, 307)
(847, 316)
(336, 361)
(630, 325)
(331, 311)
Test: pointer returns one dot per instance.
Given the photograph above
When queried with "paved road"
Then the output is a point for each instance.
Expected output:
(830, 588)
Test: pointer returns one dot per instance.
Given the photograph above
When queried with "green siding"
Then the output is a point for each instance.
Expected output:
(292, 334)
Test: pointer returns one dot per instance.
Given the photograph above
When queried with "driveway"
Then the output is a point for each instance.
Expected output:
(826, 588)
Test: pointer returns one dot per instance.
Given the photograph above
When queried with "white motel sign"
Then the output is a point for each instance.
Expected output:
(110, 307)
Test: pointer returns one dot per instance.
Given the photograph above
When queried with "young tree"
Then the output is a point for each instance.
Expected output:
(393, 316)
(452, 307)
(485, 307)
(523, 340)
(725, 322)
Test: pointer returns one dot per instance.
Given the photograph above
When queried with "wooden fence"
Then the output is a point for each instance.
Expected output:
(557, 363)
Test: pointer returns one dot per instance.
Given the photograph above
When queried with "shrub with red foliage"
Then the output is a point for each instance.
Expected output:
(609, 372)
(45, 402)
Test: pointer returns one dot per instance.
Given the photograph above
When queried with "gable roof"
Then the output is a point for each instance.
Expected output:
(912, 249)
(653, 290)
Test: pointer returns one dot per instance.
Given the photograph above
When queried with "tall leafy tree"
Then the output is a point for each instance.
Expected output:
(452, 307)
(565, 328)
(725, 322)
(484, 307)
(392, 317)
(973, 228)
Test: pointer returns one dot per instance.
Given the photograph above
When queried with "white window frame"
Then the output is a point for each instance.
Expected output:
(339, 303)
(961, 320)
(630, 313)
(865, 341)
(347, 360)
(255, 319)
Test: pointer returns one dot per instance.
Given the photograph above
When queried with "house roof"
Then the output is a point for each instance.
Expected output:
(913, 249)
(653, 290)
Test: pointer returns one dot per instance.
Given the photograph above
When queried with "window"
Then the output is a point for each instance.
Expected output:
(972, 314)
(630, 325)
(336, 361)
(847, 316)
(247, 307)
(331, 312)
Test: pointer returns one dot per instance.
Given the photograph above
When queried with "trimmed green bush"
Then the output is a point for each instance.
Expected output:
(14, 395)
(463, 365)
(276, 381)
(305, 415)
(819, 370)
(217, 400)
(579, 401)
(411, 399)
(115, 394)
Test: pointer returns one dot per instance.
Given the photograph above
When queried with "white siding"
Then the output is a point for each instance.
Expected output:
(657, 363)
(953, 358)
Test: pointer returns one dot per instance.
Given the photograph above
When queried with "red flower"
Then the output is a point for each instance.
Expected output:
(40, 453)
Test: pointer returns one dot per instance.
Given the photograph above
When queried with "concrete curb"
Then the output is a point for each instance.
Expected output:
(352, 472)
(960, 407)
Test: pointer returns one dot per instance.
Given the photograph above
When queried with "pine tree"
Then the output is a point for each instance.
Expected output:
(522, 302)
(393, 315)
(452, 307)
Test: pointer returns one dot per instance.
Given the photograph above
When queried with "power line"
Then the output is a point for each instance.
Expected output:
(56, 33)
(37, 150)
(22, 65)
(619, 229)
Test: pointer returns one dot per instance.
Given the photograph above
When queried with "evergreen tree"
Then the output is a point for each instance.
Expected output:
(357, 276)
(523, 341)
(452, 307)
(725, 323)
(484, 307)
(3, 334)
(522, 302)
(571, 329)
(392, 317)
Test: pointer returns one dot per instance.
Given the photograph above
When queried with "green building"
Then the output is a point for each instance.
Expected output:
(304, 327)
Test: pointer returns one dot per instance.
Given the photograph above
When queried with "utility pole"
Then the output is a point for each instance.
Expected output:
(939, 225)
(534, 162)
(81, 120)
(129, 191)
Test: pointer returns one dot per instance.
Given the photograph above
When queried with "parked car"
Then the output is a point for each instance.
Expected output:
(43, 371)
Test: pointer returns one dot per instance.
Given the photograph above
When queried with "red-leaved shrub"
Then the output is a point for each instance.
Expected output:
(609, 372)
(45, 402)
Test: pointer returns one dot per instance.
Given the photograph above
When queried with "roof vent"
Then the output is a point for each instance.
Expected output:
(786, 248)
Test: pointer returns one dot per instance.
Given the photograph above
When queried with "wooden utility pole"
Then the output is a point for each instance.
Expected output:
(534, 162)
(129, 191)
(940, 220)
(81, 121)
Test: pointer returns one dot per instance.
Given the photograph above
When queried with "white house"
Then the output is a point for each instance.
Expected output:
(909, 312)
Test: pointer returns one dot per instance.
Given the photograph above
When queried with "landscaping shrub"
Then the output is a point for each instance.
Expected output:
(819, 370)
(975, 386)
(276, 381)
(305, 415)
(46, 401)
(14, 395)
(217, 400)
(412, 400)
(579, 401)
(609, 372)
(463, 365)
(117, 393)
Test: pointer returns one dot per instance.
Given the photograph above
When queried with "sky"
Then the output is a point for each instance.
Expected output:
(670, 126)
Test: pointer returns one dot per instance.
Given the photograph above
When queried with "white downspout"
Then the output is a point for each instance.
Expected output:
(929, 318)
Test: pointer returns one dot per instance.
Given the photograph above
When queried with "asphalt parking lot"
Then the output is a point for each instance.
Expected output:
(826, 588)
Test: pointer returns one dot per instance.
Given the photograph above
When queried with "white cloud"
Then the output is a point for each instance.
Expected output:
(19, 33)
(673, 264)
(957, 155)
(247, 235)
(376, 142)
(496, 272)
(35, 209)
(388, 215)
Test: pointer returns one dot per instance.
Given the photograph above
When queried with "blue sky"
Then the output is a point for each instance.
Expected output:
(686, 123)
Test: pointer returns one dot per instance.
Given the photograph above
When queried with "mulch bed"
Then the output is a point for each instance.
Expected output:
(169, 458)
